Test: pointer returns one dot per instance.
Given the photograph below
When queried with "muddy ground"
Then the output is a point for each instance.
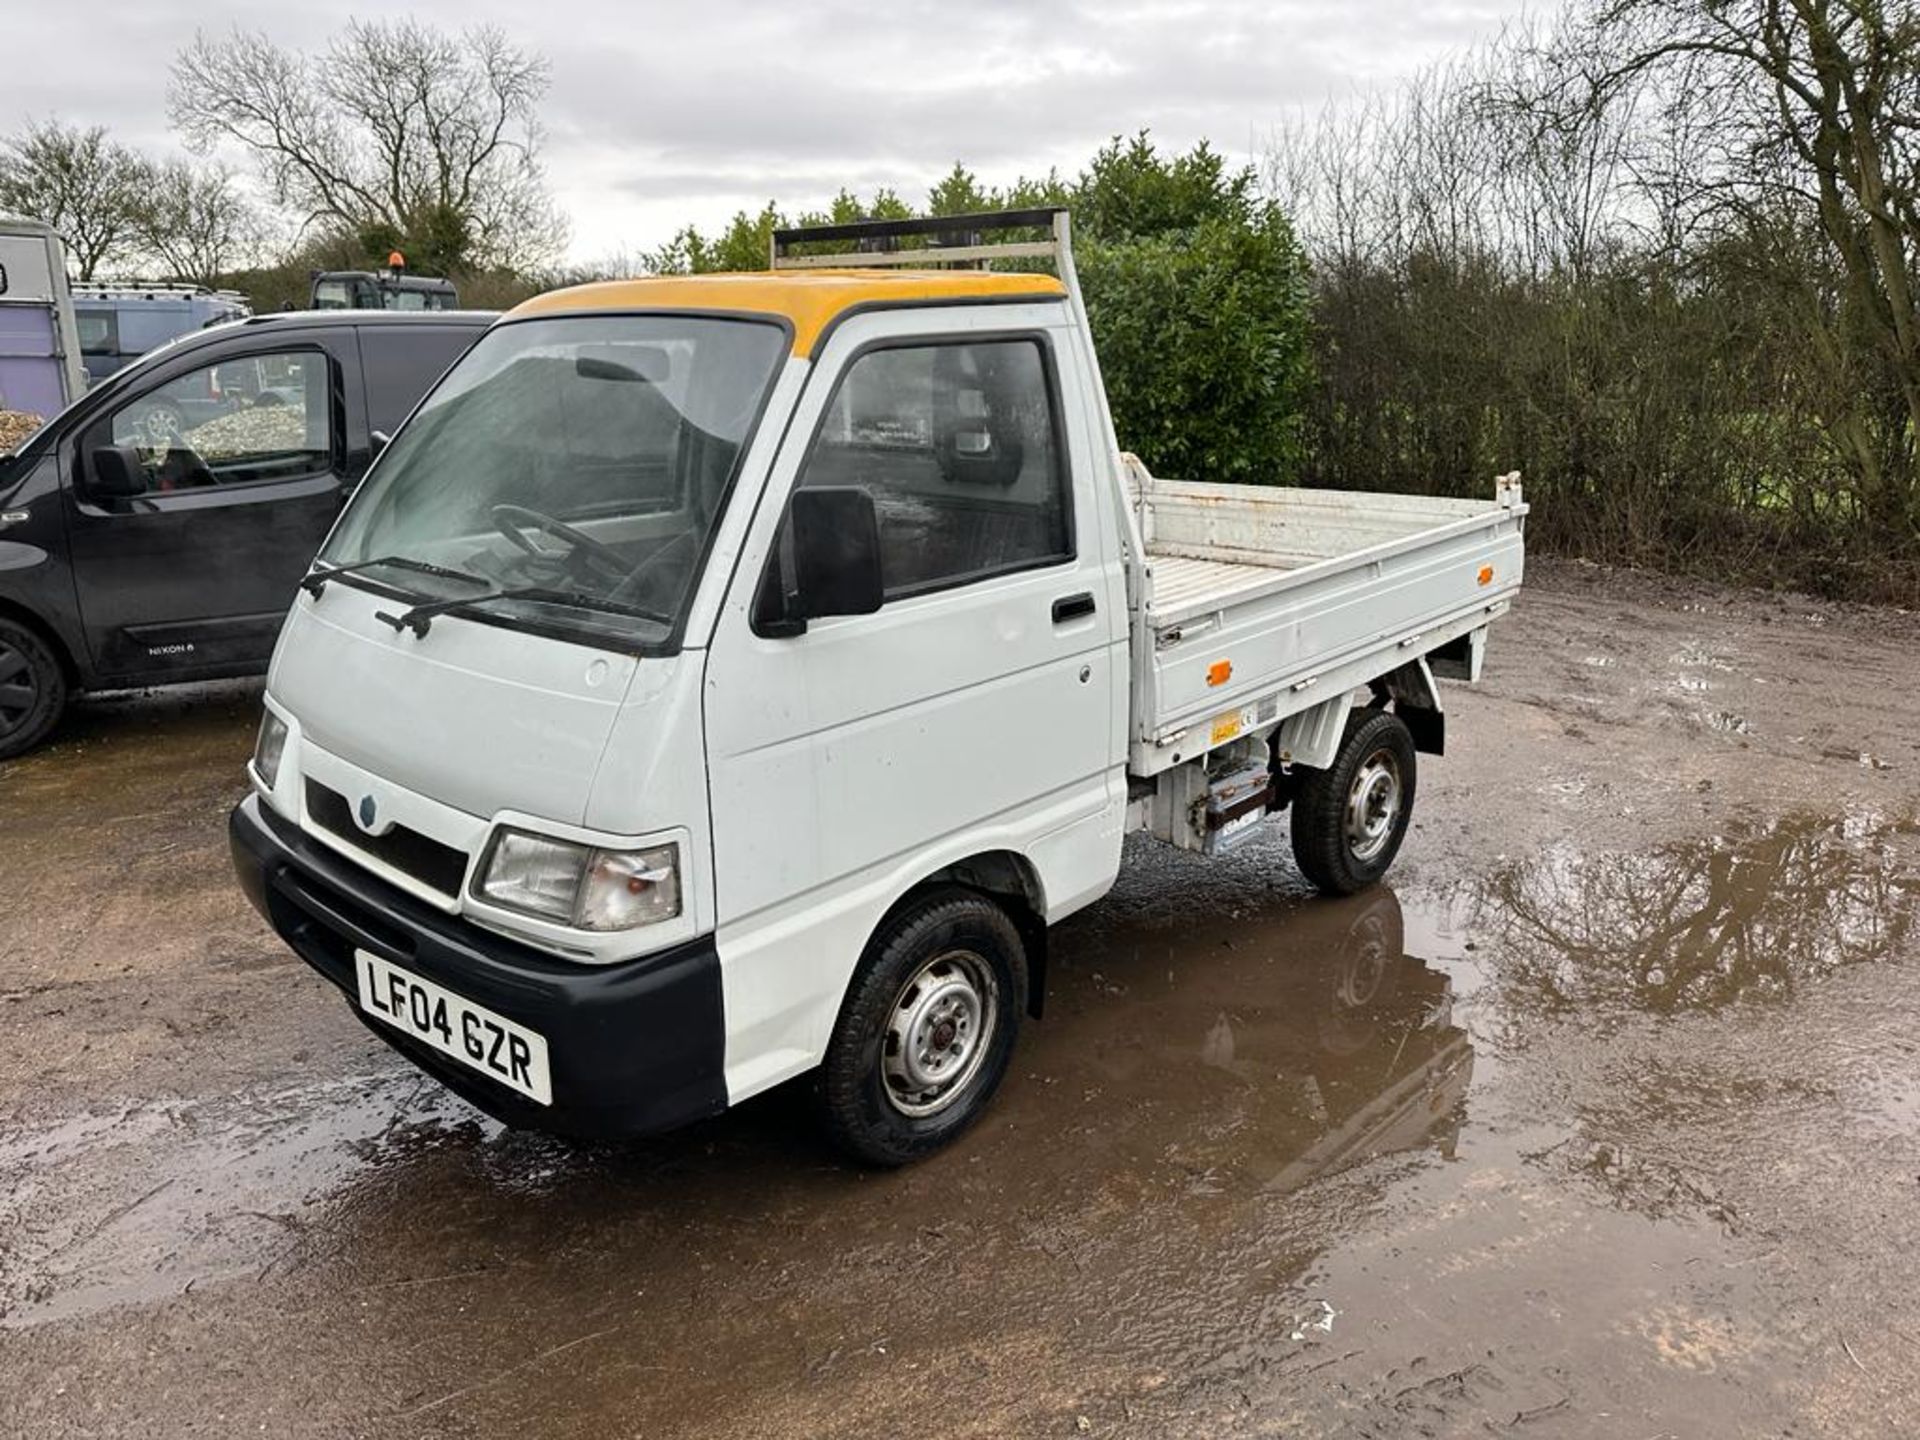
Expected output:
(1603, 1120)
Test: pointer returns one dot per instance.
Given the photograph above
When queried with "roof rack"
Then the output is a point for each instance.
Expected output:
(951, 240)
(136, 290)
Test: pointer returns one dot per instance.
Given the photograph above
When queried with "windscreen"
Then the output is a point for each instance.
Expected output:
(585, 459)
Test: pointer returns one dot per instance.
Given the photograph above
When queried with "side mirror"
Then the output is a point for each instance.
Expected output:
(115, 472)
(836, 556)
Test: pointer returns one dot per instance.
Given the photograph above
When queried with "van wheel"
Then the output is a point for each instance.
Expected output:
(33, 689)
(162, 424)
(1349, 819)
(927, 1029)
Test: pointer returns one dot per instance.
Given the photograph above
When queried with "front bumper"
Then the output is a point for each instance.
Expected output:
(633, 1048)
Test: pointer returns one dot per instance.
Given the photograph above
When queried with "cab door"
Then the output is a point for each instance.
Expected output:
(242, 460)
(974, 711)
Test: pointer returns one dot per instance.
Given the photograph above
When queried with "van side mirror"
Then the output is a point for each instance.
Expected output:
(836, 556)
(115, 472)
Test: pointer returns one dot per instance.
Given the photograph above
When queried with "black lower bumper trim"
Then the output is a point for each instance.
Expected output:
(633, 1048)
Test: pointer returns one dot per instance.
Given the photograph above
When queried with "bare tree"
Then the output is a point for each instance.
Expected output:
(193, 221)
(396, 129)
(1813, 112)
(77, 180)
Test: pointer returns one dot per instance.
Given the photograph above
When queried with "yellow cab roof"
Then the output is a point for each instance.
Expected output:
(810, 299)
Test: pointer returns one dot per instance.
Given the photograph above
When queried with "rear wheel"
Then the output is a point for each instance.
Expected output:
(927, 1029)
(33, 689)
(1349, 819)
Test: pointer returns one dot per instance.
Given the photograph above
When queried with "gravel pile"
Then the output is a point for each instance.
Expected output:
(16, 426)
(263, 430)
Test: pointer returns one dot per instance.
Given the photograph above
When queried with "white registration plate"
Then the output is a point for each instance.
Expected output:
(470, 1033)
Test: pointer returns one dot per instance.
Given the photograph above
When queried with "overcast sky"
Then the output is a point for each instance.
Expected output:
(660, 114)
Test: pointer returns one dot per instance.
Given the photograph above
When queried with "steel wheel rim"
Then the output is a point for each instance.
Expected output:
(162, 426)
(939, 1030)
(19, 688)
(1359, 979)
(1373, 805)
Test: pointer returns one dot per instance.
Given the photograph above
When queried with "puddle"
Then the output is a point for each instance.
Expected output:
(1249, 1141)
(142, 1203)
(1226, 1066)
(1223, 1066)
(1264, 1054)
(1696, 925)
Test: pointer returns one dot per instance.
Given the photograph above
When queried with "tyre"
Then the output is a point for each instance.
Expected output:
(33, 689)
(1349, 819)
(926, 1031)
(1364, 972)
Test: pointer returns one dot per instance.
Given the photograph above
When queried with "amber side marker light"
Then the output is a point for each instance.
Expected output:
(1486, 574)
(1219, 672)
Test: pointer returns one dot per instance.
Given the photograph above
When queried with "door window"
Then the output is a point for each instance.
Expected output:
(959, 445)
(237, 422)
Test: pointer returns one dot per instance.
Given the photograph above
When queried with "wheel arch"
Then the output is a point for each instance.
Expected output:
(1010, 880)
(39, 624)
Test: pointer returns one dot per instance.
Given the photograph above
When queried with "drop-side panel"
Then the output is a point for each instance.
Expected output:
(1273, 641)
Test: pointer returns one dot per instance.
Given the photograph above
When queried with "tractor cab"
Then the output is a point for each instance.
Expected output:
(388, 289)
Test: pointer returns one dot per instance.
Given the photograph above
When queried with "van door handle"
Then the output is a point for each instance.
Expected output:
(1073, 607)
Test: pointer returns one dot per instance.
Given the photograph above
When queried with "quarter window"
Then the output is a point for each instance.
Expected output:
(264, 417)
(959, 446)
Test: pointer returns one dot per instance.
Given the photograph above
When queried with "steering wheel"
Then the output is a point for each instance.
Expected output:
(513, 521)
(652, 579)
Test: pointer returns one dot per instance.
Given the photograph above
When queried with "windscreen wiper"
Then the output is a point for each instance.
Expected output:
(419, 618)
(317, 578)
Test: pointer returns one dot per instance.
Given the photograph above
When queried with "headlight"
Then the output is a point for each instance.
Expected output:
(267, 749)
(579, 885)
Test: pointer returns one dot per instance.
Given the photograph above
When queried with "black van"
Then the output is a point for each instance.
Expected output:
(156, 529)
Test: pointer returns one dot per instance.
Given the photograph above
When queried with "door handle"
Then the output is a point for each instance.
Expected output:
(1073, 607)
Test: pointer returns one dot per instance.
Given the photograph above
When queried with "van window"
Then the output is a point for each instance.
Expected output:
(99, 335)
(264, 417)
(958, 443)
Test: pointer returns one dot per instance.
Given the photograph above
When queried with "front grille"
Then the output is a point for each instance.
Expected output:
(440, 866)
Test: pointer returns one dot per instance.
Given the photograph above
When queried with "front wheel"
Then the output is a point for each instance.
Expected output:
(33, 689)
(1349, 819)
(927, 1029)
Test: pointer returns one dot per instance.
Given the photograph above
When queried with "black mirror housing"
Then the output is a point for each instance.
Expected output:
(836, 553)
(115, 472)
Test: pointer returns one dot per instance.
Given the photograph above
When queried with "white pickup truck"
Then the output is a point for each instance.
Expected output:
(725, 678)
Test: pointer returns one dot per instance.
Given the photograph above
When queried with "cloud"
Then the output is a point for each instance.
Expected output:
(664, 113)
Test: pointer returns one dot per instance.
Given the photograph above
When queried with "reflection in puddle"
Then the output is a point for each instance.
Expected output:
(1697, 925)
(1238, 1060)
(1320, 1043)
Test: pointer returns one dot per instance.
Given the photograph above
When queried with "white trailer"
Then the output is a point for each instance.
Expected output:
(727, 679)
(40, 363)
